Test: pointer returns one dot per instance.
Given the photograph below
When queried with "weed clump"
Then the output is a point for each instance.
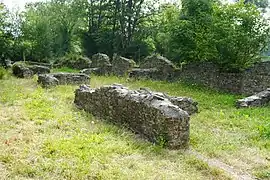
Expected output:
(3, 73)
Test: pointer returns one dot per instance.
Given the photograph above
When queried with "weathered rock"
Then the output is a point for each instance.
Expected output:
(21, 70)
(63, 79)
(47, 80)
(150, 114)
(187, 104)
(8, 63)
(37, 69)
(158, 62)
(122, 66)
(256, 100)
(102, 62)
(184, 103)
(96, 71)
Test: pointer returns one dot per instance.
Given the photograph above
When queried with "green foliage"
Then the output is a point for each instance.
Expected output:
(48, 28)
(231, 35)
(74, 61)
(241, 35)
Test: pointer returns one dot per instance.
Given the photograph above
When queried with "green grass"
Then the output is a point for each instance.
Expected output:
(46, 137)
(65, 69)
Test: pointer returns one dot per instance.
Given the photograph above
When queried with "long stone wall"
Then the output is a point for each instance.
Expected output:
(156, 116)
(209, 75)
(252, 80)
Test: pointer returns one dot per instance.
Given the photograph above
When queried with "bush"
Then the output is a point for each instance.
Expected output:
(231, 35)
(74, 61)
(3, 72)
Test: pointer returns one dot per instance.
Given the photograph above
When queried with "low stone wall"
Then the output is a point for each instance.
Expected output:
(153, 115)
(22, 70)
(209, 75)
(152, 73)
(48, 80)
(39, 64)
(251, 81)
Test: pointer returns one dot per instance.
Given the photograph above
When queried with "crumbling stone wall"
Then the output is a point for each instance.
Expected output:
(48, 80)
(23, 70)
(256, 78)
(155, 67)
(252, 80)
(209, 75)
(138, 73)
(151, 114)
(157, 61)
(121, 66)
(39, 64)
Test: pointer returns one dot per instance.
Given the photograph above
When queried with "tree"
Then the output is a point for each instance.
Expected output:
(49, 29)
(5, 35)
(241, 35)
(232, 36)
(114, 26)
(263, 4)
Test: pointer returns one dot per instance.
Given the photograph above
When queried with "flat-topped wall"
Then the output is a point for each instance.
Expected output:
(250, 81)
(158, 117)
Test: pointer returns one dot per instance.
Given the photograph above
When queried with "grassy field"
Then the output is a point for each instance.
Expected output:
(44, 136)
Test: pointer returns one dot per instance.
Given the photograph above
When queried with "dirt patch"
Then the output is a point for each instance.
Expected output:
(232, 171)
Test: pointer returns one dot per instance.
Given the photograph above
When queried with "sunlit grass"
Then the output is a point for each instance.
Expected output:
(46, 137)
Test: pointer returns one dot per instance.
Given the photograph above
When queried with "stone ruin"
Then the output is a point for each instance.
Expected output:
(49, 80)
(154, 67)
(39, 64)
(122, 66)
(257, 100)
(160, 118)
(101, 65)
(23, 70)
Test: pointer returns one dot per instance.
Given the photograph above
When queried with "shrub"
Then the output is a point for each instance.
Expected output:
(74, 61)
(3, 72)
(230, 35)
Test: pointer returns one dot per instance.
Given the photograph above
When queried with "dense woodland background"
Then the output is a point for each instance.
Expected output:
(231, 35)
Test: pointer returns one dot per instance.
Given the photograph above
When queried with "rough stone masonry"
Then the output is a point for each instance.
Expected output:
(150, 114)
(48, 80)
(23, 70)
